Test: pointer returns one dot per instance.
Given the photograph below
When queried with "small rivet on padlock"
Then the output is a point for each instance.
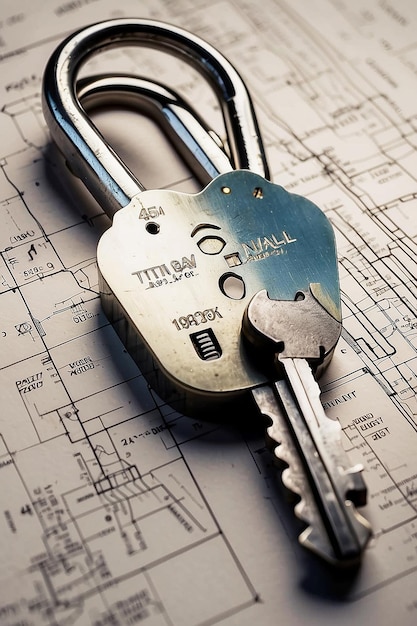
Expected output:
(226, 190)
(258, 193)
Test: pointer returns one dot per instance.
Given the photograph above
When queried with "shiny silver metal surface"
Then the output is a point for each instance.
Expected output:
(105, 175)
(329, 489)
(308, 326)
(193, 140)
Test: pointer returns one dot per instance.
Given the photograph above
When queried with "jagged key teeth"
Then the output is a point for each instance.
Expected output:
(319, 470)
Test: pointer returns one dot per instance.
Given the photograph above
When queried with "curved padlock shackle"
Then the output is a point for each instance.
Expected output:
(89, 156)
(182, 125)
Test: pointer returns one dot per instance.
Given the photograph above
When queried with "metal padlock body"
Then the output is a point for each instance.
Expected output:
(164, 266)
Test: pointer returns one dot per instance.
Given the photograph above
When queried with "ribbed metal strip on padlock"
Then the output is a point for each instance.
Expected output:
(183, 126)
(105, 175)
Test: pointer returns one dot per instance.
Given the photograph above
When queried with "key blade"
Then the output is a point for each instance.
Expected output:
(335, 531)
(337, 484)
(325, 432)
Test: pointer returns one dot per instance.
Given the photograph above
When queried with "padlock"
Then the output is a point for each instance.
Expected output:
(177, 270)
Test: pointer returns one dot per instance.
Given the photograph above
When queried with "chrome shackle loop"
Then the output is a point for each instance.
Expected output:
(199, 147)
(89, 156)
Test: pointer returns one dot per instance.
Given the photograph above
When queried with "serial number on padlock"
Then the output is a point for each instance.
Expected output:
(195, 319)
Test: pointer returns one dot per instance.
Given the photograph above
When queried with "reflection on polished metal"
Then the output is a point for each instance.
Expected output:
(198, 146)
(107, 178)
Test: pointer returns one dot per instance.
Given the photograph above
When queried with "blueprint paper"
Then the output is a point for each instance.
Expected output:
(114, 508)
